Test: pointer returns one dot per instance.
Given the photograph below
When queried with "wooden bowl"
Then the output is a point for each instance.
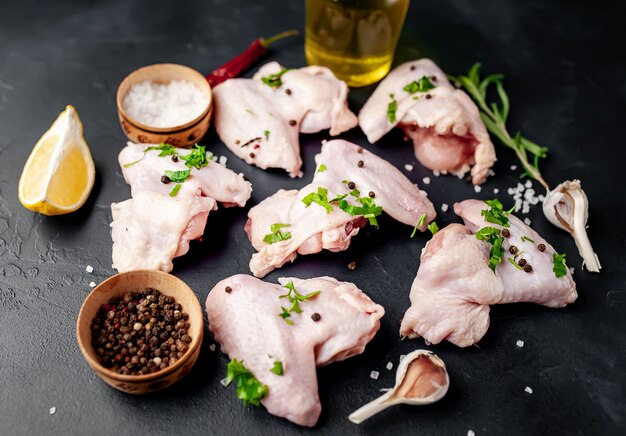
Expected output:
(117, 285)
(183, 135)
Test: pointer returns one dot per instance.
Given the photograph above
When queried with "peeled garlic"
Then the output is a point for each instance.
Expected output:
(421, 379)
(566, 206)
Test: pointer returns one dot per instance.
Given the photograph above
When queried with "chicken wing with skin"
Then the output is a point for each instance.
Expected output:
(314, 228)
(153, 227)
(443, 122)
(455, 286)
(261, 123)
(243, 314)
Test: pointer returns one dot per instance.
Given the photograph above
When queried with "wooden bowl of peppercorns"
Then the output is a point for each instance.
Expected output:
(140, 331)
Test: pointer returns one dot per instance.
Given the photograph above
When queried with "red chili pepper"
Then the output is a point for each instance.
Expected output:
(242, 62)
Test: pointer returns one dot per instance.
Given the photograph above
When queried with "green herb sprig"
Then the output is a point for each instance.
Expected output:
(163, 148)
(558, 265)
(391, 109)
(422, 85)
(495, 116)
(295, 298)
(197, 158)
(178, 176)
(419, 222)
(276, 235)
(249, 389)
(491, 235)
(496, 213)
(277, 368)
(274, 80)
(322, 168)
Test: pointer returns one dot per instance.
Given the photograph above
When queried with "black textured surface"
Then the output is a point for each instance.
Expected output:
(564, 64)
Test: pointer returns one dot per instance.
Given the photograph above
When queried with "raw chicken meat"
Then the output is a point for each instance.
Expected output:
(443, 122)
(261, 123)
(152, 228)
(313, 228)
(245, 321)
(454, 286)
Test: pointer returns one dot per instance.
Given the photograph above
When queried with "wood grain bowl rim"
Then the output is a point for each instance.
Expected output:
(145, 73)
(196, 329)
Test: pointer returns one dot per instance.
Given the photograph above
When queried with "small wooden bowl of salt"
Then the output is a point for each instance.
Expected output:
(165, 103)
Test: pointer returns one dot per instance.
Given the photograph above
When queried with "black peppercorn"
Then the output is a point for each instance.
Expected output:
(528, 268)
(165, 179)
(359, 150)
(413, 67)
(174, 158)
(228, 289)
(252, 155)
(351, 185)
(288, 91)
(541, 247)
(506, 233)
(352, 265)
(371, 194)
(360, 164)
(316, 317)
(521, 262)
(513, 249)
(428, 96)
(292, 122)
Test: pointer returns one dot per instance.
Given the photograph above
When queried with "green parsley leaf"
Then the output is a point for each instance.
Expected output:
(321, 198)
(178, 176)
(433, 227)
(515, 264)
(422, 85)
(294, 298)
(249, 389)
(559, 267)
(391, 109)
(420, 222)
(165, 150)
(322, 168)
(175, 190)
(277, 368)
(526, 238)
(496, 213)
(368, 208)
(197, 158)
(274, 80)
(492, 236)
(267, 134)
(276, 235)
(355, 193)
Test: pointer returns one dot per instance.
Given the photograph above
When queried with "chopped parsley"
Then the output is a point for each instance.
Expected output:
(276, 235)
(433, 227)
(277, 368)
(422, 85)
(420, 222)
(515, 264)
(294, 298)
(178, 176)
(175, 190)
(197, 158)
(320, 197)
(559, 267)
(165, 150)
(322, 168)
(249, 389)
(496, 213)
(526, 238)
(274, 80)
(391, 109)
(368, 208)
(267, 134)
(492, 236)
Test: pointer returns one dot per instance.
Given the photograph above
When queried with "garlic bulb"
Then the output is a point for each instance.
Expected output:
(566, 206)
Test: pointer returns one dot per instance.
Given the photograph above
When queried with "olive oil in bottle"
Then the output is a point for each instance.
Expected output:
(356, 39)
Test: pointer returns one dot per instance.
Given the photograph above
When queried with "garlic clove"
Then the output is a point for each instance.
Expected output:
(421, 379)
(567, 207)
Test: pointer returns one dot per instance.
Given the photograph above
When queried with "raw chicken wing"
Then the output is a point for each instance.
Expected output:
(245, 322)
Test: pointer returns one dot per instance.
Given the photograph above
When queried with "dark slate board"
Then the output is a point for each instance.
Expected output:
(564, 64)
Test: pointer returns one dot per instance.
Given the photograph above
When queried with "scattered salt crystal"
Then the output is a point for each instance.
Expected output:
(571, 270)
(444, 207)
(222, 160)
(528, 389)
(436, 173)
(212, 347)
(528, 184)
(402, 356)
(92, 284)
(165, 105)
(53, 410)
(541, 197)
(510, 191)
(477, 188)
(520, 344)
(408, 167)
(491, 173)
(471, 433)
(426, 180)
(389, 365)
(223, 382)
(513, 167)
(527, 221)
(374, 375)
(89, 268)
(496, 190)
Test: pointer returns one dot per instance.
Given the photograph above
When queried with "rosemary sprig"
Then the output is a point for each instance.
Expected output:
(494, 116)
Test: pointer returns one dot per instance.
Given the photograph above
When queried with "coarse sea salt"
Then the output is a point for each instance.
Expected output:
(53, 410)
(471, 433)
(520, 343)
(374, 375)
(165, 105)
(408, 167)
(212, 347)
(89, 268)
(444, 207)
(426, 180)
(477, 188)
(92, 284)
(389, 366)
(528, 390)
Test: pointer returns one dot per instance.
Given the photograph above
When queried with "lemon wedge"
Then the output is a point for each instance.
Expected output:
(59, 173)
